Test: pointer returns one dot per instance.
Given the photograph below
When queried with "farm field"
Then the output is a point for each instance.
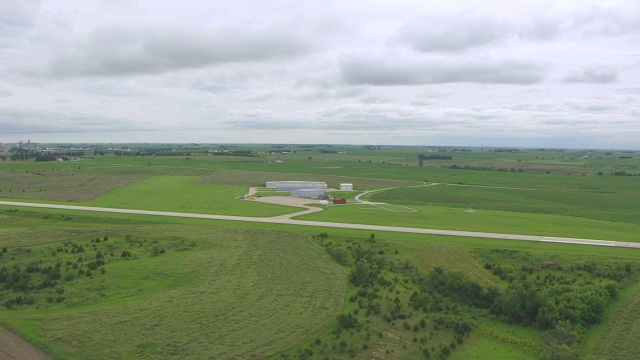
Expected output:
(164, 287)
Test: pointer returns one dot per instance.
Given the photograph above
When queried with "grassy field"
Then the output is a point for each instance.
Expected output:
(436, 217)
(172, 305)
(213, 289)
(616, 338)
(597, 203)
(183, 193)
(215, 293)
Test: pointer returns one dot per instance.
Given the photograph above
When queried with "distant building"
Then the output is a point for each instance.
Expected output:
(307, 193)
(346, 187)
(287, 186)
(339, 201)
(29, 145)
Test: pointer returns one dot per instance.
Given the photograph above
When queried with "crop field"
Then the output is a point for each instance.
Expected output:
(74, 283)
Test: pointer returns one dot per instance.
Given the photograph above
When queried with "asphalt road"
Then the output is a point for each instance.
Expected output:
(286, 221)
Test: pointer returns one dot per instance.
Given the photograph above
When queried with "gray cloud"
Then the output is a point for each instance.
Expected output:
(450, 32)
(111, 50)
(461, 31)
(597, 74)
(17, 121)
(6, 93)
(630, 91)
(375, 71)
(503, 124)
(17, 16)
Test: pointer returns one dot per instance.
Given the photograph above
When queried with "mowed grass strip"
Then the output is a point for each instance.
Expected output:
(504, 222)
(612, 205)
(617, 336)
(237, 294)
(183, 194)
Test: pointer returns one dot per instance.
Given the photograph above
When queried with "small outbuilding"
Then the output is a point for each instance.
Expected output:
(346, 187)
(339, 201)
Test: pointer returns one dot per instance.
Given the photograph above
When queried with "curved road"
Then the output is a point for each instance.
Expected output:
(286, 221)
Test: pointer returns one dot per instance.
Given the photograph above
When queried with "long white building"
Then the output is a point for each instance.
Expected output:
(288, 186)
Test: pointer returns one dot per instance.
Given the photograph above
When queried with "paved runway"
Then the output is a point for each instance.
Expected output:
(286, 221)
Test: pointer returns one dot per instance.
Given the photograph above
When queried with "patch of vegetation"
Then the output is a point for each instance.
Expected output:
(210, 283)
(396, 309)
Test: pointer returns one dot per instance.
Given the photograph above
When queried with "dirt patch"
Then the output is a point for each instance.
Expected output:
(14, 347)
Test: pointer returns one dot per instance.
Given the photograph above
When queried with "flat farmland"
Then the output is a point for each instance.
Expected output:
(184, 193)
(167, 287)
(61, 184)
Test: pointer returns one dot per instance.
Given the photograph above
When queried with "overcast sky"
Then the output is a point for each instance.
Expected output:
(404, 72)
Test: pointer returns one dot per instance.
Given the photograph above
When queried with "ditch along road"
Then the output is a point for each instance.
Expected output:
(288, 221)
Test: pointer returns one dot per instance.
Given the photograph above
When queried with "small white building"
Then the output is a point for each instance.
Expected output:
(346, 187)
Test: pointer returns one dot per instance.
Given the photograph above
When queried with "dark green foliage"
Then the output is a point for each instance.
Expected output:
(347, 321)
(434, 157)
(457, 286)
(337, 253)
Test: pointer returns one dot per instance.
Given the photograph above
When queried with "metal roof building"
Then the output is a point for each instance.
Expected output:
(287, 186)
(307, 193)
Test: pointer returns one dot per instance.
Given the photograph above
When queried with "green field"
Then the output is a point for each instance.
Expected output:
(184, 194)
(167, 287)
(214, 293)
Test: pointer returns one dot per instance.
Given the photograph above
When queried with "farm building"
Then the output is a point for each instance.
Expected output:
(307, 193)
(285, 186)
(346, 187)
(339, 201)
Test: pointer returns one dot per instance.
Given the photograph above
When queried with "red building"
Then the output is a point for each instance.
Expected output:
(339, 201)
